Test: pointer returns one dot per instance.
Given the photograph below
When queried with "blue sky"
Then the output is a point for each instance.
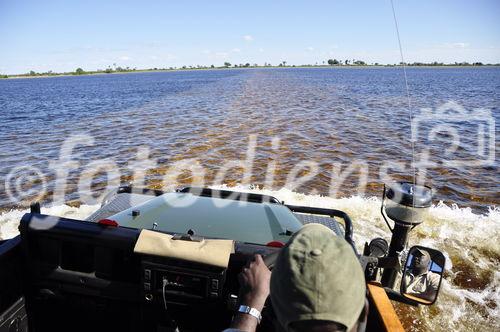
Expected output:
(63, 35)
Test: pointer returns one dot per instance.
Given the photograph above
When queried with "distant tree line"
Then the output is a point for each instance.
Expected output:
(329, 62)
(435, 63)
(335, 62)
(347, 62)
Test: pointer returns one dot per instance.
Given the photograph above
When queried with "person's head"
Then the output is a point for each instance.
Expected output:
(317, 283)
(420, 261)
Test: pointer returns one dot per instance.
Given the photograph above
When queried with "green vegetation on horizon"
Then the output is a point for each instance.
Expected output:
(328, 63)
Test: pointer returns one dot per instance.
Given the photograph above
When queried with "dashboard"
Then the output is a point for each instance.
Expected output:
(170, 281)
(76, 269)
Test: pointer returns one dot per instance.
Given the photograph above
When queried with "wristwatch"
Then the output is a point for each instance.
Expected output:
(250, 311)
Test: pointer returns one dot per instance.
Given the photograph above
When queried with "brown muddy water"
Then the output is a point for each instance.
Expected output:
(319, 137)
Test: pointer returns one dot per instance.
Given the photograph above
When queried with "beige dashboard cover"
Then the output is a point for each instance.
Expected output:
(210, 252)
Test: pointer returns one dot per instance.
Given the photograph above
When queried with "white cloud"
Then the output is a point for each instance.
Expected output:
(236, 50)
(153, 57)
(455, 45)
(248, 38)
(206, 52)
(221, 55)
(124, 58)
(261, 50)
(310, 49)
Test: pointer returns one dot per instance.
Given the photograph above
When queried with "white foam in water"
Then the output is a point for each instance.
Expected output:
(9, 221)
(468, 240)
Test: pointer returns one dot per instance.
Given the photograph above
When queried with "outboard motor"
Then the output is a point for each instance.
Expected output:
(404, 203)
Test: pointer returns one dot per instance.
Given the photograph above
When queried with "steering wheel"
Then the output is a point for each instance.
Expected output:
(269, 317)
(270, 259)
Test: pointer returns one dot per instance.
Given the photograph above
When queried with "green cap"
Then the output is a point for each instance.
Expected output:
(317, 276)
(418, 252)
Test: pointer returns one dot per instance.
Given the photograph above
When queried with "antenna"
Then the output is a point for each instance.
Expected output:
(407, 94)
(406, 201)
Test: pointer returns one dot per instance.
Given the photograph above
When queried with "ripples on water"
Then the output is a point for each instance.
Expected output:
(323, 115)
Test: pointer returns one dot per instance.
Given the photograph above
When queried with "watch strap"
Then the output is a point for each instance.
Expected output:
(250, 311)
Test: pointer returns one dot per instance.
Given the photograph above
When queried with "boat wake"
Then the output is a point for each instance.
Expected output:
(470, 294)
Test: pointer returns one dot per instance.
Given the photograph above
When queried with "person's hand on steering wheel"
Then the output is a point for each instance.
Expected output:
(254, 282)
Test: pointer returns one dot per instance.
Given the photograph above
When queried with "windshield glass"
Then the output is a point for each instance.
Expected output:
(258, 223)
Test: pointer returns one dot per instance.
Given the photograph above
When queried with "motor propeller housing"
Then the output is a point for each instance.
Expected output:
(407, 202)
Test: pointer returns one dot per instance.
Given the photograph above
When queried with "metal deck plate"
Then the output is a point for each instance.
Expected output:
(118, 204)
(327, 221)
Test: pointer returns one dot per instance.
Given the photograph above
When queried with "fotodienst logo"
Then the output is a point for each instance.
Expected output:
(464, 138)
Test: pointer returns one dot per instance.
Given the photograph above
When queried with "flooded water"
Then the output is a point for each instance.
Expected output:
(309, 123)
